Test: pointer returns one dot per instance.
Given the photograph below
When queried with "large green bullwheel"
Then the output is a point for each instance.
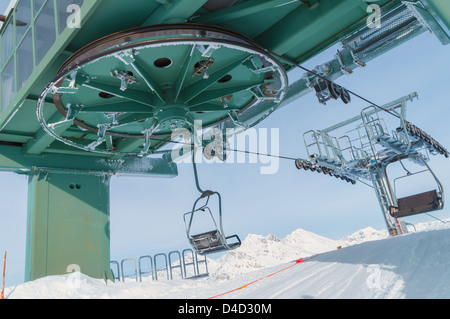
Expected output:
(126, 94)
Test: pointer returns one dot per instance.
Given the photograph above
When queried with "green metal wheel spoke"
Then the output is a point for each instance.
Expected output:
(187, 65)
(219, 93)
(130, 94)
(208, 107)
(151, 83)
(133, 117)
(126, 107)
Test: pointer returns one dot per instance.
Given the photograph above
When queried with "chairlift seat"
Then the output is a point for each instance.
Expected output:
(417, 204)
(207, 239)
(213, 242)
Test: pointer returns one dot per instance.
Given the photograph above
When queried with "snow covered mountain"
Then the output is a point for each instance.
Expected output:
(363, 235)
(258, 252)
(370, 265)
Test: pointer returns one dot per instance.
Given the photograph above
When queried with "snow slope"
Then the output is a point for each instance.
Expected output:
(258, 252)
(369, 265)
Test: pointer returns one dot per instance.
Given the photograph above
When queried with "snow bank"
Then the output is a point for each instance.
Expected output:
(409, 266)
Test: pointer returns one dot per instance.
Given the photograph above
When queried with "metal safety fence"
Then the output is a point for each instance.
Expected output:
(174, 265)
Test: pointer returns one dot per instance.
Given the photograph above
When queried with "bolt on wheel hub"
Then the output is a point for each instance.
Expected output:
(171, 117)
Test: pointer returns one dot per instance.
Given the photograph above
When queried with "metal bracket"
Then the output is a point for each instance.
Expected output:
(309, 3)
(259, 94)
(235, 119)
(202, 67)
(125, 78)
(147, 141)
(102, 128)
(344, 68)
(72, 111)
(167, 4)
(207, 50)
(73, 86)
(356, 61)
(126, 57)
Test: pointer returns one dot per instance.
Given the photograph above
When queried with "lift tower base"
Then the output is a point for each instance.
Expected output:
(68, 225)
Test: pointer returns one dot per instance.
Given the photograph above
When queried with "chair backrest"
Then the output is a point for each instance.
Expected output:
(417, 204)
(207, 240)
(211, 241)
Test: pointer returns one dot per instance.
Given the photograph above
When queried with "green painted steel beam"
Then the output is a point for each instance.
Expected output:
(129, 145)
(433, 25)
(301, 87)
(61, 148)
(13, 159)
(68, 225)
(440, 9)
(307, 28)
(240, 10)
(436, 15)
(15, 137)
(305, 32)
(174, 11)
(42, 140)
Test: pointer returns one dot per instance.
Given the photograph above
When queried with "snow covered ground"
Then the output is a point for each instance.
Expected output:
(370, 265)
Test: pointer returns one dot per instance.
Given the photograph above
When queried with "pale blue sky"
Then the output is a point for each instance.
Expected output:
(146, 213)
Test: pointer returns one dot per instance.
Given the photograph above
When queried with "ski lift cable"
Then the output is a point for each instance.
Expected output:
(306, 70)
(241, 151)
(230, 149)
(327, 80)
(442, 221)
(289, 61)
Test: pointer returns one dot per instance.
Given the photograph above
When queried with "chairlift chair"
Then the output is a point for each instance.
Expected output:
(212, 241)
(420, 203)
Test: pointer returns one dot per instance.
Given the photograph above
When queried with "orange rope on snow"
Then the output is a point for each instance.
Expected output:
(2, 296)
(298, 261)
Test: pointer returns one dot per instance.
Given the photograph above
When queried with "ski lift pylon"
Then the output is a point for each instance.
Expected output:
(212, 241)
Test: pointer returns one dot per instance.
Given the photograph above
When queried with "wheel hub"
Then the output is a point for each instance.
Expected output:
(172, 117)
